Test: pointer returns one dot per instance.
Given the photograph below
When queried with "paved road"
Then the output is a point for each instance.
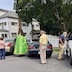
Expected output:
(25, 64)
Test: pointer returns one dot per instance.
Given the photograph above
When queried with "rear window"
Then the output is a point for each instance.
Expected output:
(8, 40)
(36, 45)
(33, 43)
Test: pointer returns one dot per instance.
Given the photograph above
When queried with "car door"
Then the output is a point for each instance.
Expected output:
(69, 44)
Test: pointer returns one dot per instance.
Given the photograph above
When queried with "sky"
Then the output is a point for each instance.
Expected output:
(6, 4)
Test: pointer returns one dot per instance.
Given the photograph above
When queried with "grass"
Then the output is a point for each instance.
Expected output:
(56, 50)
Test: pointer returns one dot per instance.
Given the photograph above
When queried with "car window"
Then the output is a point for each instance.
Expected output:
(8, 40)
(36, 45)
(31, 44)
(69, 36)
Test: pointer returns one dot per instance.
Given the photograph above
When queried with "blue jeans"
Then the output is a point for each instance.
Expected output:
(2, 53)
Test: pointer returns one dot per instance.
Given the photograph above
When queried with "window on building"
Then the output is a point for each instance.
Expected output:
(2, 23)
(37, 25)
(14, 35)
(32, 25)
(4, 35)
(14, 23)
(24, 24)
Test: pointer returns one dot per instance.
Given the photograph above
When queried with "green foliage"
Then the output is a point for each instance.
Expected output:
(54, 16)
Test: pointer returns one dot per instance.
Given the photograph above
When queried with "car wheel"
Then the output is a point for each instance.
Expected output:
(48, 55)
(29, 55)
(12, 50)
(70, 58)
(70, 61)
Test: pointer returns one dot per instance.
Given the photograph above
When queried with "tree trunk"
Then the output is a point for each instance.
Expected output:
(19, 22)
(56, 14)
(64, 26)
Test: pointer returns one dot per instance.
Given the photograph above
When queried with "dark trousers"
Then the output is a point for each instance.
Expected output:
(2, 53)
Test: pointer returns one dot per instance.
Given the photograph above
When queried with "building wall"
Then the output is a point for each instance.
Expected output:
(36, 26)
(12, 28)
(4, 26)
(27, 29)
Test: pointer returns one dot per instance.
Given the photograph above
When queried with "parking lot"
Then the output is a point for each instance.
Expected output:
(27, 64)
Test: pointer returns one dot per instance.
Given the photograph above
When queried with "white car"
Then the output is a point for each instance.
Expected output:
(68, 47)
(8, 44)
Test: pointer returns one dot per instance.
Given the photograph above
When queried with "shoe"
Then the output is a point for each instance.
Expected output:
(42, 63)
(63, 58)
(3, 58)
(60, 59)
(0, 58)
(45, 63)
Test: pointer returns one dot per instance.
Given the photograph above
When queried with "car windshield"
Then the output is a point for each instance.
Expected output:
(69, 37)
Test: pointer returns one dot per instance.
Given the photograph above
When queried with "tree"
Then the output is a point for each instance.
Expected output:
(54, 15)
(62, 10)
(24, 8)
(45, 16)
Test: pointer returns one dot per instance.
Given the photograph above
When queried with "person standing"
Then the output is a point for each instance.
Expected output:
(61, 45)
(2, 49)
(43, 45)
(21, 44)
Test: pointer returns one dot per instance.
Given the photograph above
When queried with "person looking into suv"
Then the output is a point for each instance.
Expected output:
(61, 45)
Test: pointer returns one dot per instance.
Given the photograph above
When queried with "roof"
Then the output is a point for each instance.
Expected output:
(3, 10)
(3, 30)
(9, 14)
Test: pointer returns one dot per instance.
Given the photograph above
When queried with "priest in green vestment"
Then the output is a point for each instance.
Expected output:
(21, 45)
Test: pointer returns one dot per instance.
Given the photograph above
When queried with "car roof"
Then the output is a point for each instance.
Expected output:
(8, 38)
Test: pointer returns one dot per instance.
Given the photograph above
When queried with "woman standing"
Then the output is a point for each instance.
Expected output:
(2, 49)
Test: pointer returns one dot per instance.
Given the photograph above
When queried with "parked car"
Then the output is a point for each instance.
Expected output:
(34, 49)
(8, 44)
(12, 45)
(68, 47)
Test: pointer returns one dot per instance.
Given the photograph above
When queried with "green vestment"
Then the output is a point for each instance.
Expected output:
(20, 45)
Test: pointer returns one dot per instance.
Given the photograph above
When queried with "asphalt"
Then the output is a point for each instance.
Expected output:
(31, 64)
